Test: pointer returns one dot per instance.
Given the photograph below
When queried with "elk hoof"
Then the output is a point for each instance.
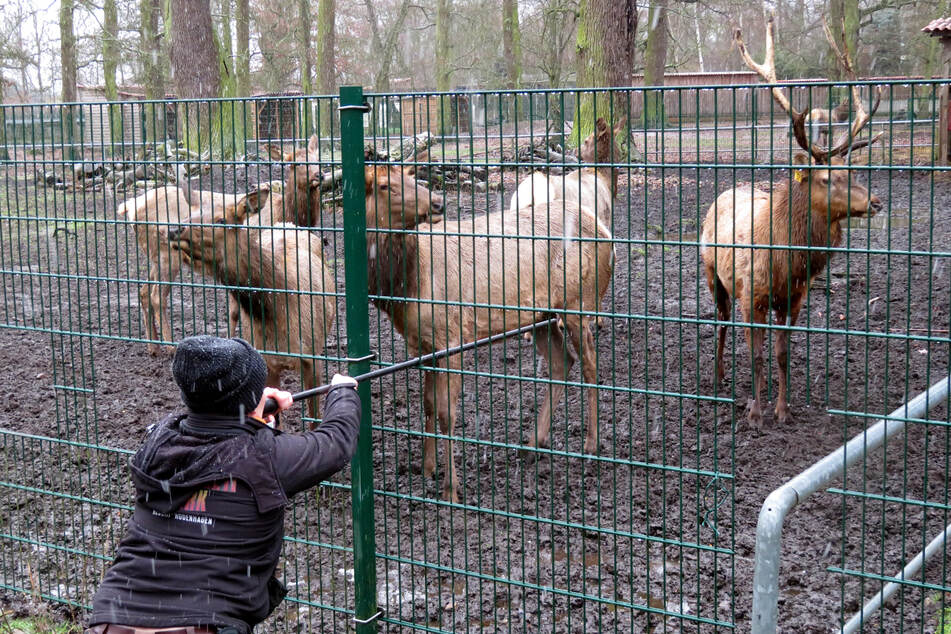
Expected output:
(429, 470)
(449, 494)
(783, 416)
(755, 416)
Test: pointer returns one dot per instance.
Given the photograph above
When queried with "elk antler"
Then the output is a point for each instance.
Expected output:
(862, 118)
(767, 70)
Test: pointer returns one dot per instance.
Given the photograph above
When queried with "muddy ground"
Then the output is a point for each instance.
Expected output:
(655, 534)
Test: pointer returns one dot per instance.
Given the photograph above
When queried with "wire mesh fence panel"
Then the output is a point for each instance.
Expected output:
(593, 475)
(95, 292)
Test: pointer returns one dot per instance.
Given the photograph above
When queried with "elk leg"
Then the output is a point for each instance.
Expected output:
(234, 315)
(156, 297)
(782, 348)
(584, 343)
(444, 392)
(429, 442)
(550, 343)
(781, 339)
(310, 378)
(754, 336)
(724, 313)
(148, 318)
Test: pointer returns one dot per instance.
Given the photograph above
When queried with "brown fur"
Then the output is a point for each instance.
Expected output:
(279, 275)
(594, 187)
(456, 276)
(153, 212)
(775, 279)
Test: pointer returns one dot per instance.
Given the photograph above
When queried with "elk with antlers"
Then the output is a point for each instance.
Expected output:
(804, 214)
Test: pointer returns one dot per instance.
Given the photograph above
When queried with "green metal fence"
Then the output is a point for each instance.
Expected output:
(655, 530)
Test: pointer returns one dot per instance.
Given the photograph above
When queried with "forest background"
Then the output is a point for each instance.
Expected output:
(237, 48)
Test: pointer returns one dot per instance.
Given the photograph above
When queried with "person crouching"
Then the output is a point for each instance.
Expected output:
(200, 551)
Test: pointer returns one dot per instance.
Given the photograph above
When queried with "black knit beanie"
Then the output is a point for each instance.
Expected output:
(219, 376)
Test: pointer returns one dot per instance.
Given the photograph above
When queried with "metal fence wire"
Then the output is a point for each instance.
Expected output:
(354, 232)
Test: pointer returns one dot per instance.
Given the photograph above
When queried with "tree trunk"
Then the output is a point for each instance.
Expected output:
(227, 44)
(326, 43)
(195, 68)
(242, 62)
(110, 61)
(847, 10)
(153, 67)
(511, 46)
(386, 46)
(68, 61)
(67, 49)
(655, 59)
(443, 70)
(511, 52)
(304, 49)
(605, 57)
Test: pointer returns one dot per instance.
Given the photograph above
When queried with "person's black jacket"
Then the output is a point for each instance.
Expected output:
(204, 539)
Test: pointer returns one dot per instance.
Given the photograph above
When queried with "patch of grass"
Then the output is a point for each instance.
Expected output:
(39, 625)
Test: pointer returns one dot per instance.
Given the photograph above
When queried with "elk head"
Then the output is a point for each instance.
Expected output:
(600, 146)
(834, 191)
(200, 243)
(395, 200)
(302, 180)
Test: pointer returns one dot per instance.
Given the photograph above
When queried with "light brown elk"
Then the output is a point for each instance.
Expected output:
(277, 278)
(594, 187)
(299, 202)
(154, 212)
(819, 121)
(804, 212)
(446, 283)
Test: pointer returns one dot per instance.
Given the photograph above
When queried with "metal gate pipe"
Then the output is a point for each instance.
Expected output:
(873, 604)
(781, 501)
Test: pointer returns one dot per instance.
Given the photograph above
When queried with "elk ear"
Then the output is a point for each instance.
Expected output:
(800, 158)
(313, 145)
(256, 200)
(370, 176)
(620, 125)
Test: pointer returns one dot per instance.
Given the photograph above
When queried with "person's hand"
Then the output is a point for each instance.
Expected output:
(284, 401)
(343, 379)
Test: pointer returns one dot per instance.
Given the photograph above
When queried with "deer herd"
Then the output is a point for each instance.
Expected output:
(550, 253)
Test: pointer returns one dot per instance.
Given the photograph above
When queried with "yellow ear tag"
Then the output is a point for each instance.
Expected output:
(799, 175)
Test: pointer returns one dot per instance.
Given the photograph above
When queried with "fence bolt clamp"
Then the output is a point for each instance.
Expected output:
(367, 357)
(364, 107)
(378, 615)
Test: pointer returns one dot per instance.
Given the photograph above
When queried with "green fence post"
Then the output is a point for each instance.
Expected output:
(352, 108)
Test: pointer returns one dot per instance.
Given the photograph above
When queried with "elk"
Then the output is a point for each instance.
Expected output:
(445, 283)
(277, 278)
(154, 212)
(299, 203)
(594, 187)
(819, 120)
(804, 212)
